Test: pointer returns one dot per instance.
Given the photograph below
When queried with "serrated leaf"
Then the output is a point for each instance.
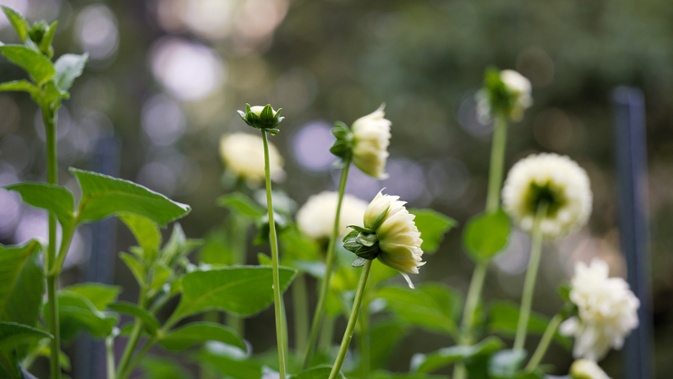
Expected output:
(104, 196)
(432, 225)
(423, 363)
(100, 295)
(433, 307)
(148, 319)
(486, 235)
(318, 372)
(243, 290)
(18, 22)
(77, 313)
(13, 334)
(21, 85)
(22, 278)
(198, 333)
(35, 64)
(53, 198)
(68, 68)
(241, 204)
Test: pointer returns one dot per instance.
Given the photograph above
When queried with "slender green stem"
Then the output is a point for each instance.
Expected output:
(327, 332)
(49, 118)
(301, 317)
(364, 342)
(139, 357)
(544, 342)
(497, 163)
(237, 236)
(110, 356)
(133, 340)
(273, 240)
(531, 277)
(472, 301)
(352, 320)
(319, 314)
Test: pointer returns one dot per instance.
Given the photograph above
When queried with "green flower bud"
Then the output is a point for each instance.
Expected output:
(262, 117)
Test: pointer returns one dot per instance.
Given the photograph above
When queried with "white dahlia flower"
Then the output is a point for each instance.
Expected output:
(586, 369)
(606, 311)
(316, 217)
(398, 237)
(514, 101)
(549, 179)
(371, 137)
(243, 155)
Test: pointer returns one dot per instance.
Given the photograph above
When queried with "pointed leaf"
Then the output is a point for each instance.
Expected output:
(241, 204)
(486, 235)
(136, 267)
(432, 225)
(146, 317)
(198, 333)
(13, 334)
(53, 198)
(47, 39)
(18, 22)
(433, 307)
(22, 279)
(68, 68)
(77, 313)
(146, 232)
(423, 363)
(243, 290)
(21, 85)
(35, 64)
(100, 295)
(104, 196)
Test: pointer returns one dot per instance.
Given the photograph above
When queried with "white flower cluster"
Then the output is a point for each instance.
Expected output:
(399, 238)
(371, 136)
(554, 180)
(606, 311)
(316, 217)
(243, 155)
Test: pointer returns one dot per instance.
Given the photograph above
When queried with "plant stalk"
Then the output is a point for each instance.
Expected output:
(301, 317)
(319, 314)
(132, 343)
(497, 163)
(273, 240)
(352, 320)
(544, 342)
(531, 277)
(49, 118)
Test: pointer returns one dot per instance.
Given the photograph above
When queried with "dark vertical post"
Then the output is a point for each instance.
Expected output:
(101, 237)
(633, 224)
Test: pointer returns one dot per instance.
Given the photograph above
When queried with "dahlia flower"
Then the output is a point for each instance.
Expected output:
(316, 217)
(371, 137)
(506, 92)
(243, 155)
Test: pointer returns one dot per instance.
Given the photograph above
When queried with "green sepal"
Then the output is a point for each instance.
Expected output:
(343, 145)
(358, 262)
(379, 219)
(266, 120)
(500, 98)
(364, 245)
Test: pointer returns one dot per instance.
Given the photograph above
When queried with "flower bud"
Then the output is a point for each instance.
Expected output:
(262, 117)
(505, 93)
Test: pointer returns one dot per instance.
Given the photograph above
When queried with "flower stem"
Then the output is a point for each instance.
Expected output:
(319, 314)
(273, 240)
(49, 117)
(497, 163)
(301, 317)
(352, 320)
(364, 343)
(544, 342)
(110, 356)
(133, 340)
(531, 277)
(473, 294)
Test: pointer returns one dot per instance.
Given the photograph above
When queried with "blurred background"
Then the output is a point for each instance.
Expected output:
(165, 78)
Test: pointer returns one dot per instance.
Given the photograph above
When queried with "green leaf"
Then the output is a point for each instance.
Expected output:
(53, 198)
(163, 368)
(21, 85)
(22, 279)
(178, 246)
(243, 290)
(146, 317)
(241, 204)
(433, 307)
(146, 232)
(47, 39)
(504, 319)
(231, 366)
(104, 196)
(18, 22)
(136, 266)
(100, 295)
(68, 68)
(13, 334)
(422, 363)
(198, 333)
(318, 372)
(432, 225)
(77, 313)
(506, 363)
(486, 235)
(217, 249)
(37, 65)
